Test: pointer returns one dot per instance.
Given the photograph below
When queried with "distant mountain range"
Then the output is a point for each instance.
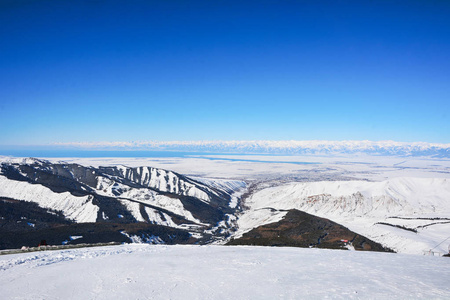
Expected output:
(67, 203)
(64, 203)
(280, 147)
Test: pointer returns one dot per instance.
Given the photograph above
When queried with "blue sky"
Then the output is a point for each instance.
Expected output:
(86, 71)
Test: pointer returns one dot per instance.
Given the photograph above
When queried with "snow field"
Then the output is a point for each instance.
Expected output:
(375, 168)
(220, 272)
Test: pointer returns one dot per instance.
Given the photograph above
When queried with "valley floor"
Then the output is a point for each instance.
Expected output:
(139, 271)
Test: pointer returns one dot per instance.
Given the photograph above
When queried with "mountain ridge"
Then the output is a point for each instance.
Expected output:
(122, 195)
(134, 203)
(406, 214)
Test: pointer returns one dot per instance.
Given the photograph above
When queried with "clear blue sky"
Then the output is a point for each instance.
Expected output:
(130, 70)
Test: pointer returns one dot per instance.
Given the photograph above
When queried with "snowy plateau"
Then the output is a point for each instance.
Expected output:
(348, 202)
(216, 272)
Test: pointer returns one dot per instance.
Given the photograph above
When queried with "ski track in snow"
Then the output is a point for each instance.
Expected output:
(221, 272)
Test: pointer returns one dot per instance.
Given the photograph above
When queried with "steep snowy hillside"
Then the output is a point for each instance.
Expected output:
(409, 215)
(218, 272)
(122, 195)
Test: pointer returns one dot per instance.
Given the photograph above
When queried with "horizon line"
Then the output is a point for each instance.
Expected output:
(267, 143)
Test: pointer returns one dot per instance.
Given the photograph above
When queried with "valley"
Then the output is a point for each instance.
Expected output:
(196, 200)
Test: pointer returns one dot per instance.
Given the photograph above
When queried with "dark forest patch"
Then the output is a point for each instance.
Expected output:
(300, 229)
(93, 233)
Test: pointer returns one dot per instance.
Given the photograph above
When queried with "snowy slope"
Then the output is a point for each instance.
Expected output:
(121, 194)
(395, 197)
(234, 187)
(80, 209)
(219, 272)
(162, 180)
(360, 205)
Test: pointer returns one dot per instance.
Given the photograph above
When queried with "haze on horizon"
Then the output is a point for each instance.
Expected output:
(96, 71)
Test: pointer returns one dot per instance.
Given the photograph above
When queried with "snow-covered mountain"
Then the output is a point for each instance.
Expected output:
(122, 195)
(120, 203)
(408, 215)
(282, 147)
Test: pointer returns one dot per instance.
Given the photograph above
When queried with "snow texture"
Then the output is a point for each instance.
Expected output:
(163, 180)
(219, 272)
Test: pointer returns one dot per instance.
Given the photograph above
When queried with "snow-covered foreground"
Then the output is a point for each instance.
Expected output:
(220, 272)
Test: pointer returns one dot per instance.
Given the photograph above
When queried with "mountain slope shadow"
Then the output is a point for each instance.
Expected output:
(300, 229)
